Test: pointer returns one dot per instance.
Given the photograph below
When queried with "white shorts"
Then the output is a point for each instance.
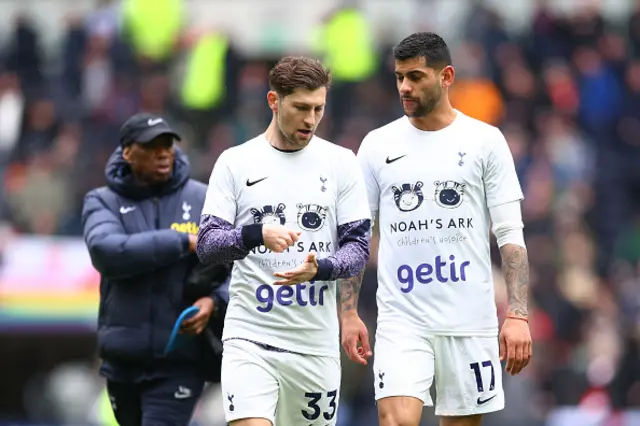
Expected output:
(467, 370)
(282, 387)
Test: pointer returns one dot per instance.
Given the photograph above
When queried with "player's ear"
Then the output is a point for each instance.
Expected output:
(272, 99)
(126, 153)
(447, 75)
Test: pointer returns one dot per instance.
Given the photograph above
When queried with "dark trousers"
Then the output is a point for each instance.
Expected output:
(158, 402)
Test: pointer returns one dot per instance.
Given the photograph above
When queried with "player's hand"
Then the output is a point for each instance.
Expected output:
(301, 274)
(192, 243)
(355, 338)
(197, 323)
(515, 345)
(277, 238)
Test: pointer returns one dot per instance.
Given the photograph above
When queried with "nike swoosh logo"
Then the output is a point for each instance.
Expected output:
(484, 401)
(391, 160)
(125, 210)
(250, 183)
(182, 393)
(153, 122)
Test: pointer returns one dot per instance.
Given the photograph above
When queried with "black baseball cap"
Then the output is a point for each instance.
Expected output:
(143, 128)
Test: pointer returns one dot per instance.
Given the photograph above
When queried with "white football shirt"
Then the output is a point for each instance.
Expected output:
(313, 191)
(433, 191)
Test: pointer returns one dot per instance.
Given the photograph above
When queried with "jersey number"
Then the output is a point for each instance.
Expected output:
(478, 373)
(314, 398)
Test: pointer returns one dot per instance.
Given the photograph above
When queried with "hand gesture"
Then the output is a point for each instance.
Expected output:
(197, 323)
(277, 238)
(355, 338)
(515, 345)
(301, 274)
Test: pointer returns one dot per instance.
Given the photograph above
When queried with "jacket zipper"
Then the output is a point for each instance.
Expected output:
(152, 315)
(157, 211)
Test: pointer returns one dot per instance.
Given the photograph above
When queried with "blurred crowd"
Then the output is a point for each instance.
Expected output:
(566, 94)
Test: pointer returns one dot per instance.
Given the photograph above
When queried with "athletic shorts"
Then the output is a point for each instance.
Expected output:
(282, 387)
(467, 370)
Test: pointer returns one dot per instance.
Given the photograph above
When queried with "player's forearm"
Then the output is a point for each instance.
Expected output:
(220, 243)
(349, 293)
(515, 268)
(352, 256)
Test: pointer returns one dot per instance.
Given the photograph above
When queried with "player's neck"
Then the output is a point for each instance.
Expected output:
(442, 116)
(274, 136)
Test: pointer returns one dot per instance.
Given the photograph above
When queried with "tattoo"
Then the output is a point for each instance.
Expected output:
(349, 291)
(515, 268)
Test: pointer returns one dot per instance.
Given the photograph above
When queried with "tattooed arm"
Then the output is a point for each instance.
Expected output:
(515, 268)
(349, 292)
(515, 338)
(355, 337)
(507, 227)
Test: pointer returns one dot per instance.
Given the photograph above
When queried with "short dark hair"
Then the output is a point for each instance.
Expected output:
(298, 72)
(424, 45)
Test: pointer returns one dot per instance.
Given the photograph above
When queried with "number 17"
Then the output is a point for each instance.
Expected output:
(476, 370)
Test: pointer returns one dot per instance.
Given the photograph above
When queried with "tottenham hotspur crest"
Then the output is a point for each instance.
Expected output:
(186, 209)
(323, 179)
(461, 155)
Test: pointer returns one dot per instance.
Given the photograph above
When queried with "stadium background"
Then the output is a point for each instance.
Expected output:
(560, 78)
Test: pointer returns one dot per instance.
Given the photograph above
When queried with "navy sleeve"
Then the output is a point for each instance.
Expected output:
(220, 243)
(220, 297)
(203, 280)
(352, 255)
(116, 254)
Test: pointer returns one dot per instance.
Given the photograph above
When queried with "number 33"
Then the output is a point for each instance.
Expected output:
(314, 398)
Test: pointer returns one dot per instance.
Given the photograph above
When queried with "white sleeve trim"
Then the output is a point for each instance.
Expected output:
(507, 224)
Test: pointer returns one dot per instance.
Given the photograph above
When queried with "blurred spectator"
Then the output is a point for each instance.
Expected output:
(12, 105)
(475, 93)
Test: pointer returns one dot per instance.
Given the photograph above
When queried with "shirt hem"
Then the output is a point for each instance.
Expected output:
(391, 325)
(280, 344)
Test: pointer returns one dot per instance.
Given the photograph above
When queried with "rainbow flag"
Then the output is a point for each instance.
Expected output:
(48, 282)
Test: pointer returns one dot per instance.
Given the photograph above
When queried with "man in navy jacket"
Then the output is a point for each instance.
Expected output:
(141, 234)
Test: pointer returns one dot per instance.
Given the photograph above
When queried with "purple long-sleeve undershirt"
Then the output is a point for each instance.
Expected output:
(219, 242)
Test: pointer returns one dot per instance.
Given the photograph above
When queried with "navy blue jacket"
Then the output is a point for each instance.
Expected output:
(138, 239)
